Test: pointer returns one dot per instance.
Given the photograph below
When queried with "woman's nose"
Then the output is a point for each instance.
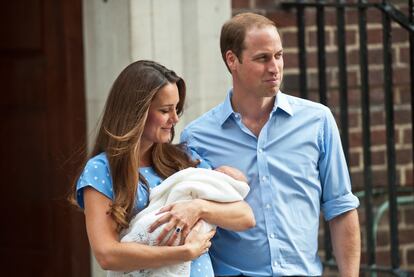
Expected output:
(174, 117)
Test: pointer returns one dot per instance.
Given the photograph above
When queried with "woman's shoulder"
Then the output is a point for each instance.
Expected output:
(97, 160)
(96, 174)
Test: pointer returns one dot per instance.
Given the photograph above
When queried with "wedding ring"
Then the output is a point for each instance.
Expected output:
(177, 230)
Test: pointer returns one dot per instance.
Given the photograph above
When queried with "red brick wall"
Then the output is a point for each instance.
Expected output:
(286, 22)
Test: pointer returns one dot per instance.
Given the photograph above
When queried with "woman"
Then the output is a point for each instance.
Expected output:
(132, 153)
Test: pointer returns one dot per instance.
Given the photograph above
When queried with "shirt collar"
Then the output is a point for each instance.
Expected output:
(280, 102)
(227, 109)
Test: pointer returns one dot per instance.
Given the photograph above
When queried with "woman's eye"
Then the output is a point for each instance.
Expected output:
(164, 111)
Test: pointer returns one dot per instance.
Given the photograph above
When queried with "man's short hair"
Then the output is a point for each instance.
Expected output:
(234, 31)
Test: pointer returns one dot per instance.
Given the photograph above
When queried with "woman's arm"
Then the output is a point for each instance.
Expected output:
(114, 255)
(236, 216)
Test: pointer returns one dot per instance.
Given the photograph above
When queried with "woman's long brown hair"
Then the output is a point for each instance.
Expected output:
(120, 132)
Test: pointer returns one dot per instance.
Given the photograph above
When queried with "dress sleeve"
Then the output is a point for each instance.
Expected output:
(96, 174)
(203, 163)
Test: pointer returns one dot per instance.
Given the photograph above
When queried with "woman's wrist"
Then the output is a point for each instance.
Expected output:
(187, 251)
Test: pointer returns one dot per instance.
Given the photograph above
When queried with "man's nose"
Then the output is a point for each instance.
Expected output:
(272, 67)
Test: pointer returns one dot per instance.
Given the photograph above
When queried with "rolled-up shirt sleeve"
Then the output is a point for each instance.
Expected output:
(337, 197)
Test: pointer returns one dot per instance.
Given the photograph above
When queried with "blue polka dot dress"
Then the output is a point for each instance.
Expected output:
(96, 174)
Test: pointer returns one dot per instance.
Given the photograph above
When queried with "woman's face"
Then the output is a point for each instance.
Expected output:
(162, 116)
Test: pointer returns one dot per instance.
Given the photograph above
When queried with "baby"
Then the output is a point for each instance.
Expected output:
(232, 172)
(224, 184)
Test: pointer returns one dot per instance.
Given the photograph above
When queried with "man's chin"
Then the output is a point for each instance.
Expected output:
(272, 92)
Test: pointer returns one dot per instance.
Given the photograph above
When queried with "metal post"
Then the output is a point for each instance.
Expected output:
(411, 19)
(389, 115)
(342, 77)
(320, 19)
(302, 52)
(363, 56)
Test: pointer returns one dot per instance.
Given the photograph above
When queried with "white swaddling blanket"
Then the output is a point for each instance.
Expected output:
(185, 185)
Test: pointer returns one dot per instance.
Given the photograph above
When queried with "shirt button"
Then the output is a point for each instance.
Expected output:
(237, 115)
(274, 263)
(260, 150)
(267, 206)
(272, 235)
(264, 178)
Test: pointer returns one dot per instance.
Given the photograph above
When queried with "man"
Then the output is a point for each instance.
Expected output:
(290, 150)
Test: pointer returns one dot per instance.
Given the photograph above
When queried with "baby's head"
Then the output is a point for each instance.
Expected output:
(232, 172)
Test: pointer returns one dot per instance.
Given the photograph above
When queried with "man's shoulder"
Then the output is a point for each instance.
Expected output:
(299, 104)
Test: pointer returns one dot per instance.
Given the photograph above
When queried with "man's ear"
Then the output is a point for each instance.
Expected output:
(231, 60)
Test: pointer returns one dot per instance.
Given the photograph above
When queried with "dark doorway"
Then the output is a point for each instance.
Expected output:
(42, 122)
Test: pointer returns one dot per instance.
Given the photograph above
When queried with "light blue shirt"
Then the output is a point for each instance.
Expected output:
(96, 174)
(295, 167)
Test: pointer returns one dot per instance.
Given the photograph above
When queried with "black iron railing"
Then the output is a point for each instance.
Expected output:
(390, 14)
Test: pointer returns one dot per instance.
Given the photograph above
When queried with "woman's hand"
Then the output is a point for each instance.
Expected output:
(129, 256)
(180, 218)
(197, 242)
